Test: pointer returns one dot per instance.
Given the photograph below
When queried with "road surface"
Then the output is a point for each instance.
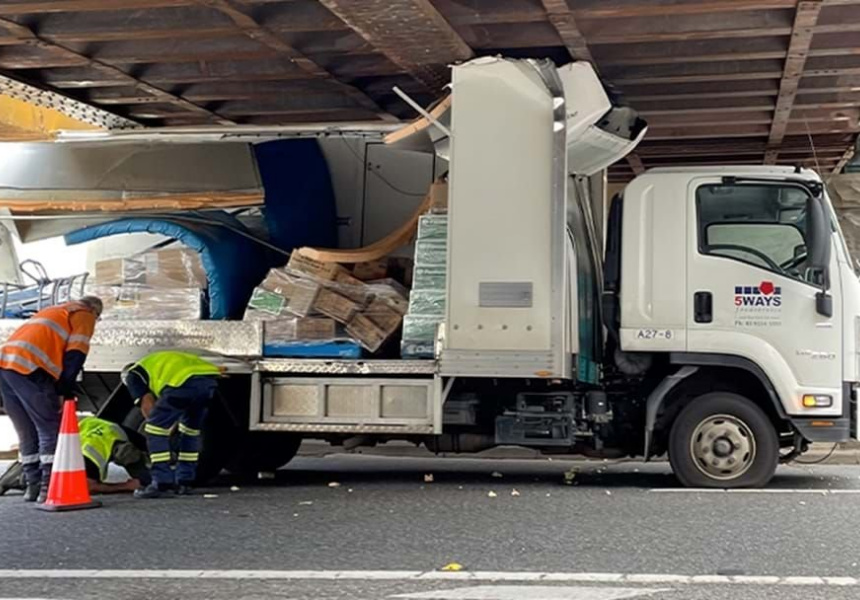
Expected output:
(379, 527)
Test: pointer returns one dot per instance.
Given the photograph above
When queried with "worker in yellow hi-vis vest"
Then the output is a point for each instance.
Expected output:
(172, 387)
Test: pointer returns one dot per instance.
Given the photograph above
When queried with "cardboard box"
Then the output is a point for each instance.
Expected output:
(334, 305)
(314, 268)
(109, 272)
(301, 296)
(439, 197)
(300, 329)
(374, 269)
(168, 268)
(366, 332)
(130, 302)
(383, 315)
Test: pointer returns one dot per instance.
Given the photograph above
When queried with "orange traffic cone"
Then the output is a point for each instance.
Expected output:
(68, 489)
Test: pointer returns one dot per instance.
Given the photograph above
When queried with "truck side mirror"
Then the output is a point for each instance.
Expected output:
(819, 239)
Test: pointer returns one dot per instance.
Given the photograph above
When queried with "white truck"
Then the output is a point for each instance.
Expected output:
(709, 313)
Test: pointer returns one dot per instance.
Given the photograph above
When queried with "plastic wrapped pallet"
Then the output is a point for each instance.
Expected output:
(299, 328)
(132, 302)
(427, 302)
(433, 228)
(167, 268)
(431, 253)
(429, 278)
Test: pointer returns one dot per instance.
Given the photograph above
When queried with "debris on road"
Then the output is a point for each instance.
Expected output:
(234, 488)
(452, 567)
(210, 496)
(569, 476)
(492, 494)
(334, 484)
(305, 503)
(266, 475)
(608, 493)
(515, 492)
(428, 478)
(496, 474)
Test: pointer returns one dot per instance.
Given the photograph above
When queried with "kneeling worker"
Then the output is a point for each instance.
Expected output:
(103, 442)
(172, 387)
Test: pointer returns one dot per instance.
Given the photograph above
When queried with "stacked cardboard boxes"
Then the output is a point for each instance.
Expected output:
(162, 284)
(427, 300)
(310, 301)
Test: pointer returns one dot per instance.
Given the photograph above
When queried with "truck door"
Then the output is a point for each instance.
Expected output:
(751, 294)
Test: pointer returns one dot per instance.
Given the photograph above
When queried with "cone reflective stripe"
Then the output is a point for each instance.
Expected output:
(68, 489)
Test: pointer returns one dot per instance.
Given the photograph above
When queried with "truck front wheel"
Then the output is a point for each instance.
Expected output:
(723, 440)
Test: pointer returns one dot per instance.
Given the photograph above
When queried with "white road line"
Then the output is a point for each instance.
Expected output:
(750, 491)
(530, 592)
(525, 576)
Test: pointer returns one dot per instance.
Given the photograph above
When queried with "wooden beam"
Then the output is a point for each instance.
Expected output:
(843, 160)
(693, 72)
(248, 25)
(114, 73)
(561, 17)
(611, 9)
(178, 201)
(411, 33)
(57, 6)
(635, 163)
(801, 38)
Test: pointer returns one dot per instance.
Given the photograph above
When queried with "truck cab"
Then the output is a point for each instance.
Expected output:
(740, 280)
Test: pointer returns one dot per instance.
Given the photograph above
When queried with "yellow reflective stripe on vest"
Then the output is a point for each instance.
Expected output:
(159, 457)
(98, 438)
(156, 430)
(172, 369)
(188, 456)
(100, 461)
(188, 431)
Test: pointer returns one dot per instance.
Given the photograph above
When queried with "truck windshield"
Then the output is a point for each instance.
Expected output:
(763, 225)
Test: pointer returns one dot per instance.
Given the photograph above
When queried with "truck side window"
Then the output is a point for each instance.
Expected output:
(760, 224)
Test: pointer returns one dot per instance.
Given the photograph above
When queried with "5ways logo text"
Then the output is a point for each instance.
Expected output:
(763, 294)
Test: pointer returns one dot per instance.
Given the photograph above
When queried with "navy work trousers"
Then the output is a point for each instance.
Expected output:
(32, 402)
(186, 404)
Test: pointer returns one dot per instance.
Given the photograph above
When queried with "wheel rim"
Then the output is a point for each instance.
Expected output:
(723, 447)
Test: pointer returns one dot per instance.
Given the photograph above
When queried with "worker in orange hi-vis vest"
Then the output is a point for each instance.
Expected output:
(38, 366)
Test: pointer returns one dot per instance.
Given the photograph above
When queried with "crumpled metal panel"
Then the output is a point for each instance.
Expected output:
(311, 366)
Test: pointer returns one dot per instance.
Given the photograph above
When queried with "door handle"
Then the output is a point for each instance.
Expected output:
(703, 307)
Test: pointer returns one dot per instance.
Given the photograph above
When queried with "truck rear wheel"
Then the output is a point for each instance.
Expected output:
(723, 440)
(263, 451)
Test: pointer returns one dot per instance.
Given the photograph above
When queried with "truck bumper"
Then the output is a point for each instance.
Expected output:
(823, 429)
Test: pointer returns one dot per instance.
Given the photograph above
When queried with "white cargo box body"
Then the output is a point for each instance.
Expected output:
(507, 278)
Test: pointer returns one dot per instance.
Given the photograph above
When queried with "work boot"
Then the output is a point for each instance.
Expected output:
(43, 494)
(184, 489)
(31, 492)
(153, 490)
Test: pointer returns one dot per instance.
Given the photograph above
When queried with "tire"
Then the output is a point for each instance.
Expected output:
(217, 444)
(263, 451)
(723, 440)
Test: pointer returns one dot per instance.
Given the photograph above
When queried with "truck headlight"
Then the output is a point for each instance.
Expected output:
(817, 400)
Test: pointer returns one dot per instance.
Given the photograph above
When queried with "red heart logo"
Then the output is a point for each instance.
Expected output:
(766, 288)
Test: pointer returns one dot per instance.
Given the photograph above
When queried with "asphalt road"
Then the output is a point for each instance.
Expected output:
(509, 523)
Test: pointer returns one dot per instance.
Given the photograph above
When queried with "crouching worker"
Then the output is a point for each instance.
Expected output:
(103, 442)
(172, 387)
